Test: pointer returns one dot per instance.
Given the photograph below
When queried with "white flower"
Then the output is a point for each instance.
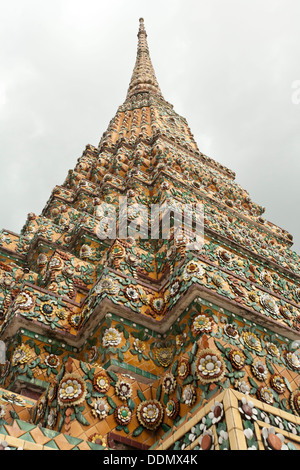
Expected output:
(247, 409)
(259, 370)
(273, 440)
(107, 285)
(111, 337)
(216, 413)
(189, 395)
(100, 408)
(131, 293)
(242, 387)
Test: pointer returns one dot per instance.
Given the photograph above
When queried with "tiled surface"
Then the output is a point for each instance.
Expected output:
(56, 321)
(35, 438)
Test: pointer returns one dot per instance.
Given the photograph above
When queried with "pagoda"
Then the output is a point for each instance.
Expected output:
(116, 336)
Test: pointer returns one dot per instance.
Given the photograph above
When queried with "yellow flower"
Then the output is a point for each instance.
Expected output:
(144, 298)
(21, 355)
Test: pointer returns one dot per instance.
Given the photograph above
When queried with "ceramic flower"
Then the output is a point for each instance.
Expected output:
(293, 360)
(247, 409)
(164, 355)
(123, 389)
(118, 251)
(144, 298)
(273, 440)
(47, 308)
(252, 341)
(98, 439)
(107, 285)
(206, 440)
(253, 296)
(189, 395)
(265, 394)
(2, 411)
(224, 256)
(52, 361)
(231, 331)
(85, 251)
(295, 401)
(52, 391)
(269, 304)
(52, 418)
(131, 293)
(169, 383)
(61, 314)
(216, 412)
(56, 263)
(202, 324)
(278, 383)
(286, 313)
(259, 370)
(157, 304)
(24, 301)
(41, 407)
(272, 349)
(71, 390)
(180, 340)
(150, 414)
(183, 368)
(21, 355)
(111, 337)
(242, 386)
(101, 382)
(172, 408)
(75, 319)
(100, 408)
(139, 345)
(210, 366)
(123, 415)
(164, 185)
(193, 269)
(174, 288)
(237, 359)
(266, 279)
(218, 280)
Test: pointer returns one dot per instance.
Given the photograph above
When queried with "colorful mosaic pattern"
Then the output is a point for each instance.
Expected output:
(134, 342)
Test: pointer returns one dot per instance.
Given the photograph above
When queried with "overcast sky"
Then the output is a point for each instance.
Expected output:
(227, 66)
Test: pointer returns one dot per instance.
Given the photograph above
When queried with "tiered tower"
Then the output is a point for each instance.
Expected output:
(138, 342)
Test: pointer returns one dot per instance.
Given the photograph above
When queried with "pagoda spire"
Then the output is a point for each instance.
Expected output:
(143, 78)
